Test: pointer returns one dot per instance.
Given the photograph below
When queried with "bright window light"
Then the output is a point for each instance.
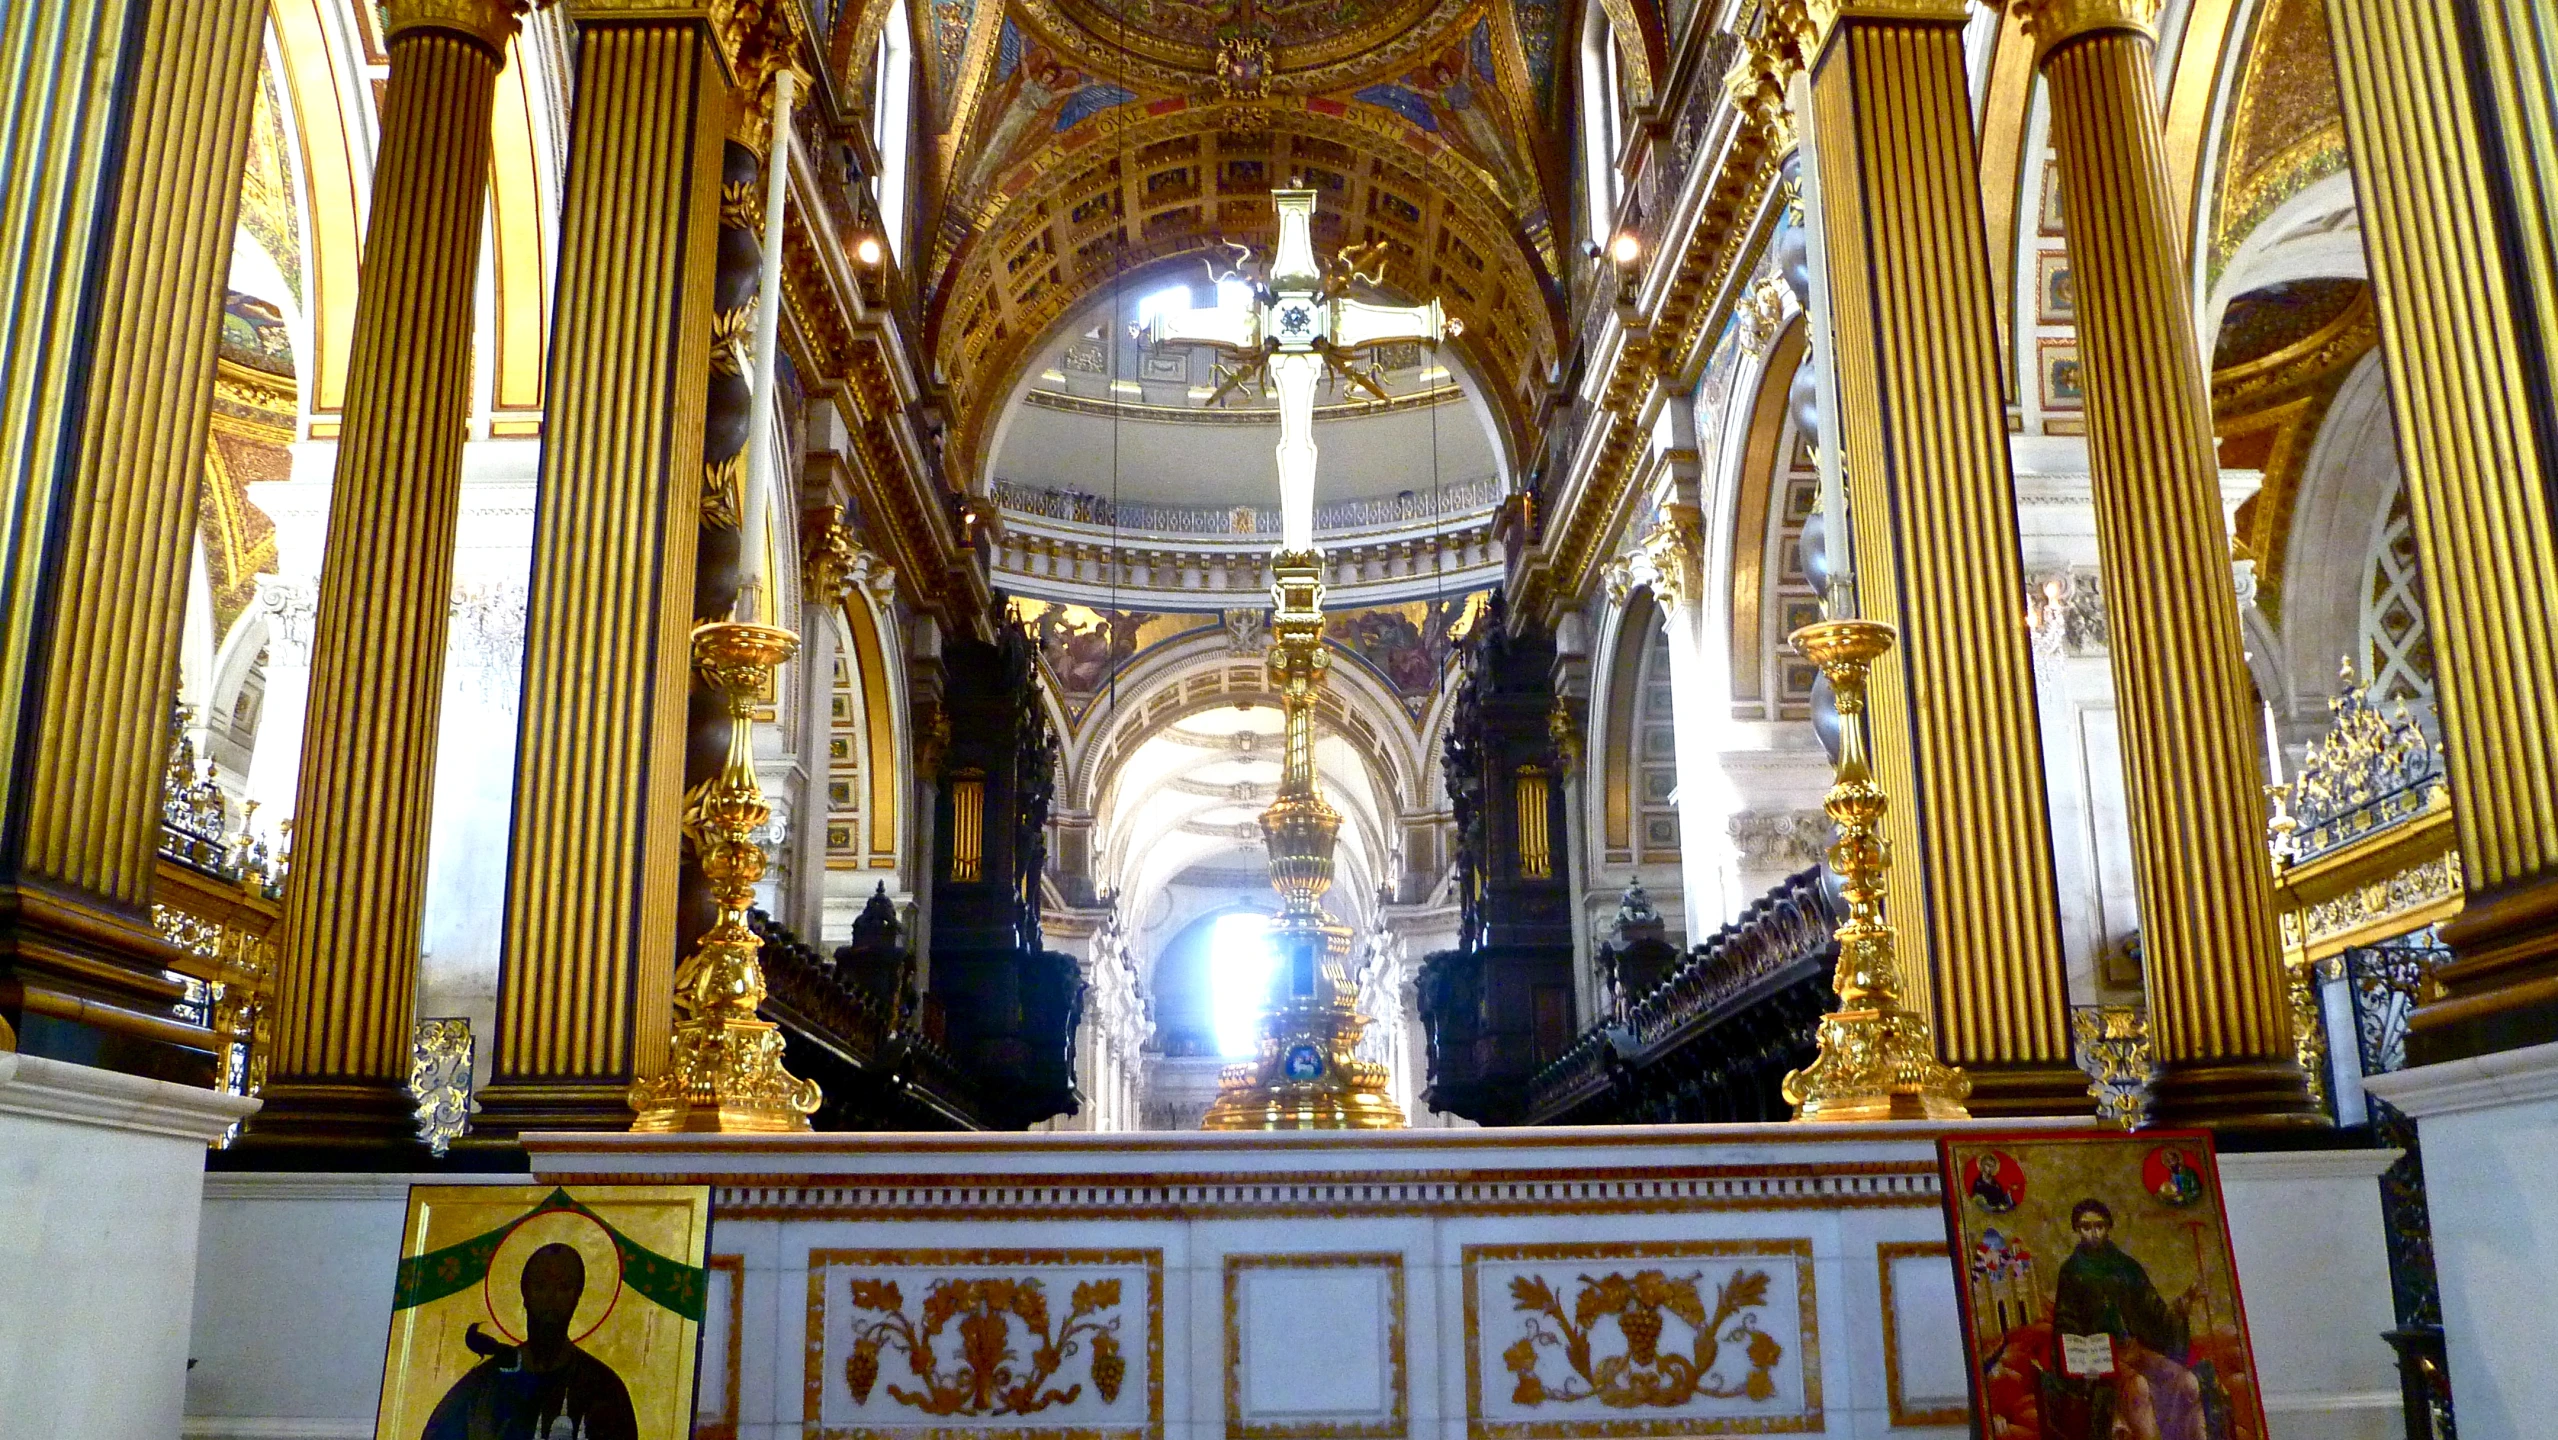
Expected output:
(1171, 297)
(1234, 295)
(1240, 967)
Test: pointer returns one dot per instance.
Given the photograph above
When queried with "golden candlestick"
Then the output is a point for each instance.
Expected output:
(1307, 1075)
(724, 1072)
(1877, 1061)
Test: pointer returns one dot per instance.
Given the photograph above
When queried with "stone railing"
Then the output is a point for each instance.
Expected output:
(1713, 1039)
(1409, 507)
(1175, 575)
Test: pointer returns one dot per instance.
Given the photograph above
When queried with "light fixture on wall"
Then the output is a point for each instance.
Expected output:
(1625, 256)
(868, 250)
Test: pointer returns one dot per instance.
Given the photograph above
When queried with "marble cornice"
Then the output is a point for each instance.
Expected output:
(2493, 1081)
(44, 1089)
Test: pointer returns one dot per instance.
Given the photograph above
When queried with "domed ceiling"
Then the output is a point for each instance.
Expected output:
(1151, 426)
(1310, 45)
(1082, 146)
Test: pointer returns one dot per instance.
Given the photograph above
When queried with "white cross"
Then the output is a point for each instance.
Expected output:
(1302, 322)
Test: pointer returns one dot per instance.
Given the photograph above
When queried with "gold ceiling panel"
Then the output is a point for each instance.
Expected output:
(1314, 45)
(1179, 184)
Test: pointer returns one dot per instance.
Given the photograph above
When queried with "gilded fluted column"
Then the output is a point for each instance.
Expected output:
(1932, 505)
(127, 426)
(2220, 1026)
(354, 909)
(586, 982)
(2456, 161)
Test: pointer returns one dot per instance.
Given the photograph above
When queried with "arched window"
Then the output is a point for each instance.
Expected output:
(2398, 650)
(1602, 119)
(891, 123)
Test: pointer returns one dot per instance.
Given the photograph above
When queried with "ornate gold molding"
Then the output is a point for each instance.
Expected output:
(490, 22)
(1675, 549)
(1877, 1060)
(2051, 22)
(724, 1071)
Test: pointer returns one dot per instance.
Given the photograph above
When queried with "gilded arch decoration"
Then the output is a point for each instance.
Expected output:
(1068, 223)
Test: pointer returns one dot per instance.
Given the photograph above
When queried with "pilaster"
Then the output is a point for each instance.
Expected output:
(132, 132)
(2449, 114)
(585, 986)
(2220, 1027)
(355, 907)
(1932, 511)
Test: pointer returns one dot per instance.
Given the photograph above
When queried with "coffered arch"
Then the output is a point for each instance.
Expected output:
(1314, 45)
(1176, 184)
(1203, 673)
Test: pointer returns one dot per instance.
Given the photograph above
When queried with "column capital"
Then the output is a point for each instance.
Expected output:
(761, 39)
(2050, 22)
(1675, 551)
(758, 39)
(1797, 30)
(1757, 80)
(490, 22)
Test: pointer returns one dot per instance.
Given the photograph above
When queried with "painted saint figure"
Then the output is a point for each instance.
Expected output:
(546, 1387)
(2122, 1347)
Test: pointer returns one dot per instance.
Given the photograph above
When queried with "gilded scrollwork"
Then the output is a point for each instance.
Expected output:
(1643, 1374)
(2112, 1043)
(987, 1377)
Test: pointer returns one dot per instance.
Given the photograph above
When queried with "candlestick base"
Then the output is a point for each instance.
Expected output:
(724, 1070)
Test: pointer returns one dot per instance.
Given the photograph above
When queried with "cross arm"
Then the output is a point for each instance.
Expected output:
(1357, 324)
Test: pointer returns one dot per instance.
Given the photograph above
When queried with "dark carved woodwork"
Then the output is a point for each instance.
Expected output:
(1637, 955)
(1499, 1006)
(867, 1052)
(1009, 1006)
(876, 962)
(1714, 1039)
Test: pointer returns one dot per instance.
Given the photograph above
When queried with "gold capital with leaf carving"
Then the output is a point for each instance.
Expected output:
(1756, 82)
(2051, 22)
(490, 22)
(1675, 548)
(1814, 21)
(826, 561)
(761, 40)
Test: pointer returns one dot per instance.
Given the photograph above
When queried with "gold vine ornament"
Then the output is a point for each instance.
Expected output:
(987, 1378)
(1645, 1374)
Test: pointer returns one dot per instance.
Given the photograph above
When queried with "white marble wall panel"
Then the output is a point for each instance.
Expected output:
(100, 1175)
(1369, 1290)
(1279, 1260)
(1316, 1346)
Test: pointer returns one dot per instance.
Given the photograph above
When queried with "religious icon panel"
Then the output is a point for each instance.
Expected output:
(541, 1310)
(2100, 1301)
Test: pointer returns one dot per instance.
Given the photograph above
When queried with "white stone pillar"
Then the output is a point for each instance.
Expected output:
(1671, 560)
(806, 907)
(2488, 1128)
